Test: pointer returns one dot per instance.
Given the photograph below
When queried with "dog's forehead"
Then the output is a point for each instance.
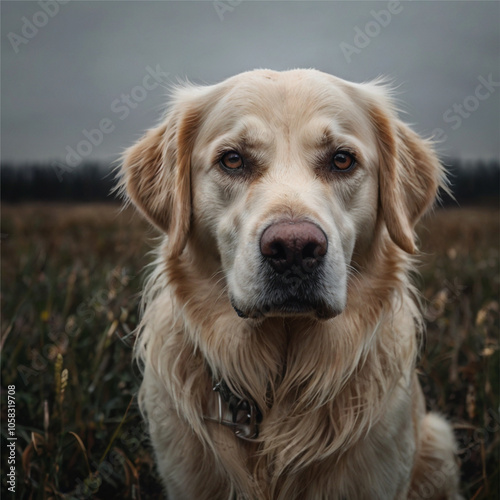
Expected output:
(286, 100)
(285, 91)
(297, 78)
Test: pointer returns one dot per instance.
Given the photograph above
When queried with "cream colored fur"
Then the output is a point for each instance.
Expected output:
(343, 413)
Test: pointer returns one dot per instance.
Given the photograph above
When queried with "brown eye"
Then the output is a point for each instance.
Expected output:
(343, 161)
(231, 160)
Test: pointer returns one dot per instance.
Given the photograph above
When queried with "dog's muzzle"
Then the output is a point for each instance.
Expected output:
(292, 273)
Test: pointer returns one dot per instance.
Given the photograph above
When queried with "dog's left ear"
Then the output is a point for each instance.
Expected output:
(409, 176)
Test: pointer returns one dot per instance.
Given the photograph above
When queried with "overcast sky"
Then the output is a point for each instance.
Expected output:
(68, 69)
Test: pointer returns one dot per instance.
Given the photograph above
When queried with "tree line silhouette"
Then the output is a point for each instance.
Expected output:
(470, 182)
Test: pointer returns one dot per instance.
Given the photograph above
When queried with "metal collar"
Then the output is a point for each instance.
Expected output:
(242, 415)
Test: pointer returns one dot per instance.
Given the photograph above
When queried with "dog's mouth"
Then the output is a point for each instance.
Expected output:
(295, 307)
(288, 308)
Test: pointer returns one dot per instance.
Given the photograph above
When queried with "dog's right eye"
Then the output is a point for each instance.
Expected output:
(231, 161)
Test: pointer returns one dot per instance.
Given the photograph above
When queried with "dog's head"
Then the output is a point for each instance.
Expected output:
(283, 181)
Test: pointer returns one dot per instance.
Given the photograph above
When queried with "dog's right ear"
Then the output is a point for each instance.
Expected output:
(156, 174)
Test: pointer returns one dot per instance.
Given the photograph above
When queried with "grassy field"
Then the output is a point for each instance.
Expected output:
(70, 281)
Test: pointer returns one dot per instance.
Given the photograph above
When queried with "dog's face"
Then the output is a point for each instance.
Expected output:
(281, 181)
(286, 184)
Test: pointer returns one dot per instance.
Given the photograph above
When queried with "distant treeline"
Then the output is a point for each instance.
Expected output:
(88, 182)
(471, 183)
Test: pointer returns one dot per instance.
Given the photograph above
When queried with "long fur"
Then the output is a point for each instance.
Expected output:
(342, 409)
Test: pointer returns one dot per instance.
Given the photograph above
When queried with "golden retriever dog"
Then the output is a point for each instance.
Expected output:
(280, 329)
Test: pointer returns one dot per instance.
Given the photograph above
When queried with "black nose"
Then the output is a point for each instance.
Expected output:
(288, 245)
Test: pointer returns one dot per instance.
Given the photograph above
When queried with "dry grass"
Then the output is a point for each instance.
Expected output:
(460, 279)
(70, 282)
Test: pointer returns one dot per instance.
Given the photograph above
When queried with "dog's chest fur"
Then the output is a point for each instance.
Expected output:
(322, 429)
(373, 468)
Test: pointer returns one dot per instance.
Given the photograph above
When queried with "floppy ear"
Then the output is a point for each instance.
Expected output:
(156, 174)
(409, 177)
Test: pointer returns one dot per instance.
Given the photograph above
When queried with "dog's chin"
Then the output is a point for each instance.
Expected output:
(289, 308)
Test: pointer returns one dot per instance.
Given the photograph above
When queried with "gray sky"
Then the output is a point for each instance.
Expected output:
(78, 66)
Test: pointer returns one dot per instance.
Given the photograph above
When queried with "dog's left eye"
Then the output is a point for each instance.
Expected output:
(231, 160)
(342, 160)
